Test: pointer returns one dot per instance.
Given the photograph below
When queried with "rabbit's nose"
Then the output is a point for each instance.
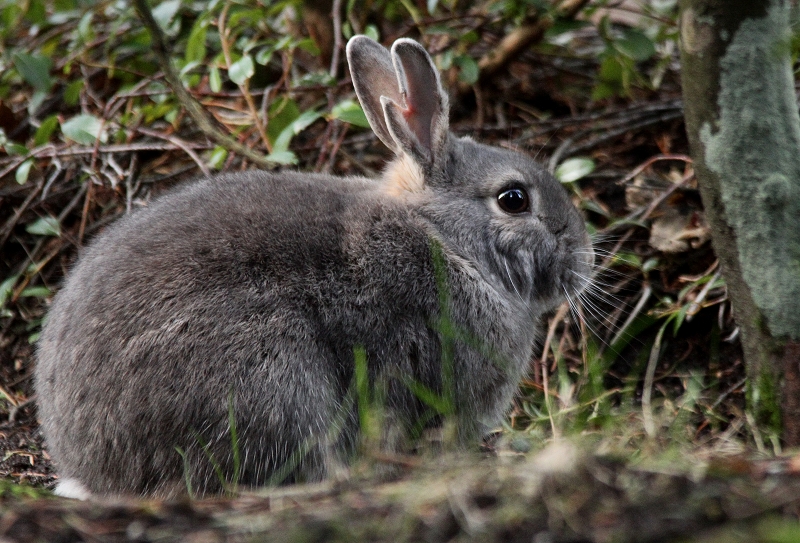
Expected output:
(555, 225)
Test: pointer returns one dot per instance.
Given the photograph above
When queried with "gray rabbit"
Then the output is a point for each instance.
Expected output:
(210, 336)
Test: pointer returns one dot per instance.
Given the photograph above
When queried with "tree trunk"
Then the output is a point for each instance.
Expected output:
(744, 135)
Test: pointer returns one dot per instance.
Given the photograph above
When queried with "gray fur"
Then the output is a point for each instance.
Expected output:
(256, 287)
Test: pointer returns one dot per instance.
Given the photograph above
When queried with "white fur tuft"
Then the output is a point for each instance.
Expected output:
(72, 488)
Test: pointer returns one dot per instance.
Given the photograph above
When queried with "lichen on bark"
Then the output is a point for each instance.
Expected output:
(756, 152)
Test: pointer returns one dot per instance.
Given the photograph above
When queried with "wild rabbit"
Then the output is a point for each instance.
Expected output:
(210, 336)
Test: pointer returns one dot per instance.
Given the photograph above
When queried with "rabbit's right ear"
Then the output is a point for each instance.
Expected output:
(402, 97)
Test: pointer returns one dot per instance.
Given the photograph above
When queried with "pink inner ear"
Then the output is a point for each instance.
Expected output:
(418, 119)
(421, 95)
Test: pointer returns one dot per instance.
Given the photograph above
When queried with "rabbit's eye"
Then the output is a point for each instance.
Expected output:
(513, 200)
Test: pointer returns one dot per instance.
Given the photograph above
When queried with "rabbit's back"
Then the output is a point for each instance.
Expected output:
(242, 295)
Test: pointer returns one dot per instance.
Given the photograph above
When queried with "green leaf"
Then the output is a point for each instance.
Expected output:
(282, 157)
(37, 100)
(196, 44)
(295, 127)
(84, 129)
(23, 170)
(371, 31)
(44, 226)
(242, 70)
(627, 259)
(189, 66)
(611, 69)
(562, 26)
(635, 44)
(573, 169)
(650, 264)
(282, 112)
(467, 69)
(73, 92)
(591, 205)
(214, 79)
(165, 12)
(347, 30)
(16, 149)
(36, 13)
(603, 91)
(86, 28)
(350, 111)
(678, 318)
(45, 130)
(309, 46)
(264, 55)
(217, 158)
(7, 288)
(35, 69)
(36, 292)
(429, 397)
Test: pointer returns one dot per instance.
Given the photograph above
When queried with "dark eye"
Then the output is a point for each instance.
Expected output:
(514, 200)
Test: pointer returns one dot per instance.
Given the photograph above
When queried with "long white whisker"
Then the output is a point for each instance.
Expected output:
(595, 310)
(592, 287)
(577, 316)
(505, 262)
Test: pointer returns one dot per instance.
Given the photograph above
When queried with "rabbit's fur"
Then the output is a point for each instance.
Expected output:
(245, 296)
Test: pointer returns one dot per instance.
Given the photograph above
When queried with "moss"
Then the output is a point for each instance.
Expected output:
(762, 392)
(755, 153)
(764, 400)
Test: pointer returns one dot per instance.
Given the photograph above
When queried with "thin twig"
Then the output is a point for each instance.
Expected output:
(647, 393)
(523, 37)
(336, 13)
(567, 147)
(695, 305)
(51, 151)
(178, 143)
(192, 106)
(647, 290)
(8, 227)
(551, 330)
(244, 87)
(650, 161)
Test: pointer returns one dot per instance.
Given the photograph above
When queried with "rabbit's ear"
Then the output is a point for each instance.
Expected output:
(419, 122)
(373, 77)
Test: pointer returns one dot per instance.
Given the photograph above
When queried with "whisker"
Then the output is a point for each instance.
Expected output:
(595, 310)
(505, 262)
(593, 280)
(585, 322)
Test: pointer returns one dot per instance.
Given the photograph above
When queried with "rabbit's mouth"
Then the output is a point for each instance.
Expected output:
(566, 278)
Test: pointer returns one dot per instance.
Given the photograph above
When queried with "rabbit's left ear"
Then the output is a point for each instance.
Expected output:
(402, 97)
(419, 125)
